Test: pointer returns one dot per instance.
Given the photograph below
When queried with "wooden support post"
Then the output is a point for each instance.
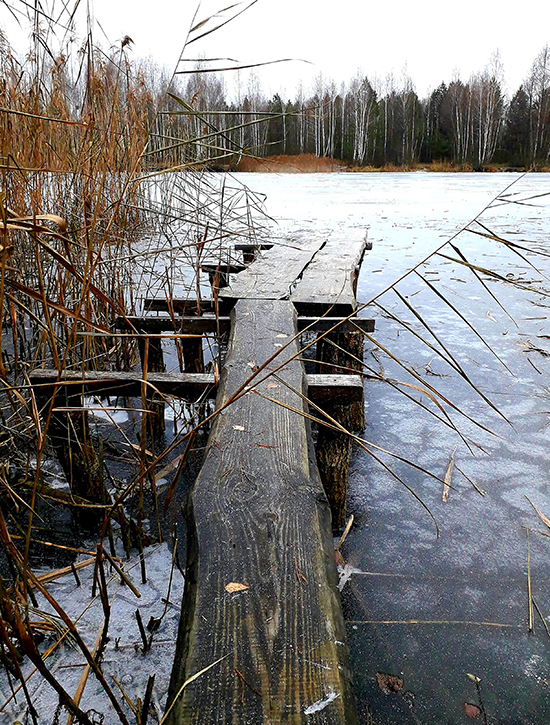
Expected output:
(261, 617)
(333, 447)
(69, 434)
(152, 360)
(250, 251)
(249, 255)
(193, 356)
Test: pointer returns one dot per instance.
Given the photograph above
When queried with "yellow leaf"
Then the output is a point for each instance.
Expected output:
(235, 587)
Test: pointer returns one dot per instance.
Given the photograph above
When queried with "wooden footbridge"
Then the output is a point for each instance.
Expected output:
(261, 637)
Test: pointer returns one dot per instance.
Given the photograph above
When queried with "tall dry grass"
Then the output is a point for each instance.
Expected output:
(299, 164)
(89, 224)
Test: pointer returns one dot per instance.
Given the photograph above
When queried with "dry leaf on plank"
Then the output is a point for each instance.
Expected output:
(233, 587)
(389, 684)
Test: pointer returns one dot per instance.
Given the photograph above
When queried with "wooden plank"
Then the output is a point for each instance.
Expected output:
(250, 251)
(272, 276)
(321, 387)
(191, 325)
(187, 305)
(219, 325)
(258, 517)
(188, 386)
(322, 324)
(223, 267)
(343, 388)
(252, 247)
(218, 272)
(331, 276)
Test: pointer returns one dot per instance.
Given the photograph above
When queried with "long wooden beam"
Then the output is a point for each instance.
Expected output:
(261, 622)
(195, 325)
(188, 386)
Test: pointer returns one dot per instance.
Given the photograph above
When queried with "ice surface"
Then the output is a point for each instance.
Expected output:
(123, 658)
(399, 570)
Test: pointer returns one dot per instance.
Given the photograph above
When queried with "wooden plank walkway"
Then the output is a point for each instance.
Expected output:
(260, 519)
(331, 276)
(271, 276)
(261, 633)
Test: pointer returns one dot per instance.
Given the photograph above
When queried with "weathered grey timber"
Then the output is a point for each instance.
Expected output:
(271, 276)
(189, 386)
(219, 325)
(187, 305)
(259, 517)
(331, 276)
(192, 325)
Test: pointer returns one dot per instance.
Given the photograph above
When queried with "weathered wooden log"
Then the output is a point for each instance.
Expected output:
(339, 354)
(261, 616)
(152, 360)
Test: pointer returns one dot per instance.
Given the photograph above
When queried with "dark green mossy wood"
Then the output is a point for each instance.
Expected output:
(258, 516)
(339, 354)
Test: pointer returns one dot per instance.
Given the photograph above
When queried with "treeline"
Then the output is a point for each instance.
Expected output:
(369, 123)
(117, 106)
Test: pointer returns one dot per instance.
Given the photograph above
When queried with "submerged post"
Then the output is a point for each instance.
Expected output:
(69, 433)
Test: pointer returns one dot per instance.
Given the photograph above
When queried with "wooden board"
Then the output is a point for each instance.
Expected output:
(187, 305)
(271, 276)
(192, 325)
(189, 386)
(218, 325)
(331, 276)
(258, 517)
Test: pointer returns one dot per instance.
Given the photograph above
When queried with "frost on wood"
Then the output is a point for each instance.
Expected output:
(321, 704)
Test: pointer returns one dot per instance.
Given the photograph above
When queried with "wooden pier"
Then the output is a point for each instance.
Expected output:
(261, 637)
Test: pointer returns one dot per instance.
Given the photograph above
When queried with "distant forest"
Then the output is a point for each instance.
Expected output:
(365, 123)
(362, 122)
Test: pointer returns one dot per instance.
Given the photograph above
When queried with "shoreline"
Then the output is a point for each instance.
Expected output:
(310, 164)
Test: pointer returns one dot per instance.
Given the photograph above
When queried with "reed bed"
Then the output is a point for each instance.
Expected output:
(104, 199)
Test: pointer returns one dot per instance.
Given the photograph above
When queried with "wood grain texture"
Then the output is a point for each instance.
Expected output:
(271, 276)
(258, 516)
(331, 276)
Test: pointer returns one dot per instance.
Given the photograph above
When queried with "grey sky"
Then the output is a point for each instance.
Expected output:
(429, 40)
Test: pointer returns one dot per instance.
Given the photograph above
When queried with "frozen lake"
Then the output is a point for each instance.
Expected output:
(430, 609)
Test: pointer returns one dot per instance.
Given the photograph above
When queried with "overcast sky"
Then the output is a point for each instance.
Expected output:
(430, 40)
